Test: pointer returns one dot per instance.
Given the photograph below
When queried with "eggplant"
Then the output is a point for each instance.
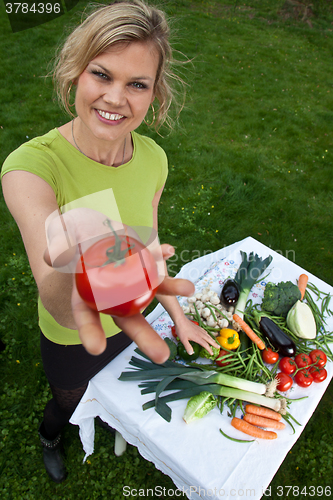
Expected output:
(230, 293)
(277, 337)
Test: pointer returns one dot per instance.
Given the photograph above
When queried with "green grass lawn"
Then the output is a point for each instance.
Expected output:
(252, 156)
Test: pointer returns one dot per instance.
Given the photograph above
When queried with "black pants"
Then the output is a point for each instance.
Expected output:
(68, 370)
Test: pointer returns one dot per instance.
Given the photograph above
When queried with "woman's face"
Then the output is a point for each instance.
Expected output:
(116, 89)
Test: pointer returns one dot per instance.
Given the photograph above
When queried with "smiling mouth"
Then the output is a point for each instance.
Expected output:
(110, 116)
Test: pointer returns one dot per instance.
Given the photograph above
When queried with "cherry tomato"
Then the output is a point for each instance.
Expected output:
(303, 378)
(123, 287)
(287, 365)
(302, 360)
(222, 362)
(269, 356)
(284, 382)
(318, 358)
(318, 374)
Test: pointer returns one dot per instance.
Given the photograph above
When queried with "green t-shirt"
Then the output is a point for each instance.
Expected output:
(73, 177)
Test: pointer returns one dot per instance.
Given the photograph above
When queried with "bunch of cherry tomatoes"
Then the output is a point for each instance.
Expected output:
(303, 369)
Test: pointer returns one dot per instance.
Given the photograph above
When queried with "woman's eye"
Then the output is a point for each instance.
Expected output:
(100, 74)
(139, 85)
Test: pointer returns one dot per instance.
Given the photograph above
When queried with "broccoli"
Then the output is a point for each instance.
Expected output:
(205, 354)
(279, 298)
(172, 347)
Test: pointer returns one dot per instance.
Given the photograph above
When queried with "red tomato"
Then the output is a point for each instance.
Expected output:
(269, 356)
(303, 378)
(285, 382)
(121, 288)
(318, 374)
(287, 365)
(221, 362)
(303, 360)
(173, 331)
(318, 358)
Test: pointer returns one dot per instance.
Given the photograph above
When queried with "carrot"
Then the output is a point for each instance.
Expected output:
(252, 430)
(263, 422)
(302, 282)
(249, 332)
(263, 412)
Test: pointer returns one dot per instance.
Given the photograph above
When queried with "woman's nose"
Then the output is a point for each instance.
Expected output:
(115, 96)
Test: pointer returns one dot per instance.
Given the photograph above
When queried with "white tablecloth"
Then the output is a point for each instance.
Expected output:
(198, 459)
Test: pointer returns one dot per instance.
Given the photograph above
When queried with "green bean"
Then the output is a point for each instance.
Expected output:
(237, 440)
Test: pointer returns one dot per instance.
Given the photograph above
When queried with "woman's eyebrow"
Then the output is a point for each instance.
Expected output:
(132, 78)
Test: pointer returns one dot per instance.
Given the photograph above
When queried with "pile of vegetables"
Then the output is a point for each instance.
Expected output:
(265, 348)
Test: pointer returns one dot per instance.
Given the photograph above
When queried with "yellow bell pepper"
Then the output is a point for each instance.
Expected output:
(228, 338)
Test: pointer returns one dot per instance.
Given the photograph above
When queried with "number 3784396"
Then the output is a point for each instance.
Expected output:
(306, 491)
(34, 8)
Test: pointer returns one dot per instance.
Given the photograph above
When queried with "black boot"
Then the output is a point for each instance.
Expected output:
(52, 458)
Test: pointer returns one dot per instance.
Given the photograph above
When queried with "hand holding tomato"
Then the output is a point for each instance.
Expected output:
(63, 251)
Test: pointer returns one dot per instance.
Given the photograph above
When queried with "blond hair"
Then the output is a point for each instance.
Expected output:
(121, 22)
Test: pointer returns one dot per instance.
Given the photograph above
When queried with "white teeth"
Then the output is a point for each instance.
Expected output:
(109, 116)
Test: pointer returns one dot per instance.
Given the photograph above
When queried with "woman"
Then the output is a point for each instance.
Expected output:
(119, 62)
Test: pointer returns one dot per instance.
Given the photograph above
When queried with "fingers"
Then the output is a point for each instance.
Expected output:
(145, 337)
(89, 325)
(93, 338)
(64, 232)
(191, 331)
(176, 286)
(173, 286)
(167, 251)
(61, 240)
(62, 255)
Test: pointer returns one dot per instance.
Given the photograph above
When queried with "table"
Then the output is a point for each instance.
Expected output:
(198, 459)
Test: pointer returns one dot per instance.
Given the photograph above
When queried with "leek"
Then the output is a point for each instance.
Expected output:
(193, 374)
(275, 404)
(186, 382)
(212, 377)
(248, 273)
